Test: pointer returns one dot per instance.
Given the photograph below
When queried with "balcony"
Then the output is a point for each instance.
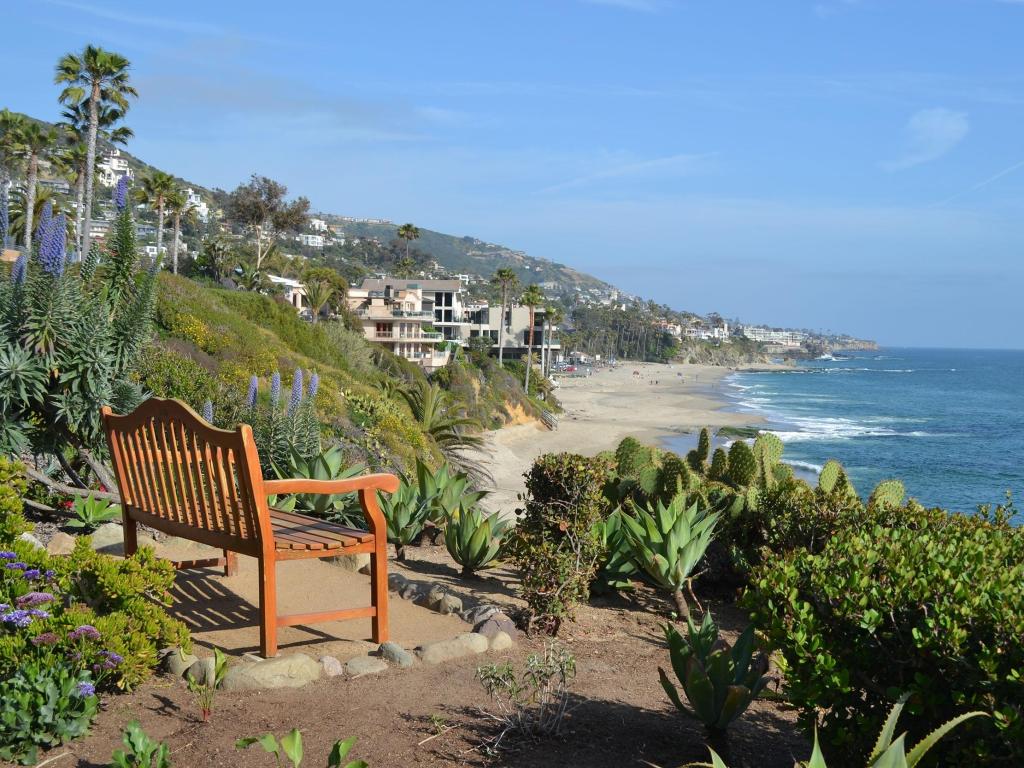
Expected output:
(385, 312)
(396, 336)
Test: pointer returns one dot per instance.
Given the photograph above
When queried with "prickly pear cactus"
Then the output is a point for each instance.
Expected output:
(674, 477)
(719, 465)
(742, 464)
(888, 493)
(830, 475)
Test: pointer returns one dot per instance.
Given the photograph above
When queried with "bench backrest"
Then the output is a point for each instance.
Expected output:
(180, 475)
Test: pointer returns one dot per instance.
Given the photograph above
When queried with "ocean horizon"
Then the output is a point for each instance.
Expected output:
(949, 423)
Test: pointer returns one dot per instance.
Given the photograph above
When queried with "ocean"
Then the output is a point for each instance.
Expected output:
(949, 423)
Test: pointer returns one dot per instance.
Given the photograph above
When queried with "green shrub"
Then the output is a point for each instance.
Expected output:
(12, 488)
(168, 373)
(556, 543)
(91, 513)
(917, 601)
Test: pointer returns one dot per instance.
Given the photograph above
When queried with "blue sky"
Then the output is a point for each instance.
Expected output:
(855, 165)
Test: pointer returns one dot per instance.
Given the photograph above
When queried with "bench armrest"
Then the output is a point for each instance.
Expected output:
(381, 482)
(364, 485)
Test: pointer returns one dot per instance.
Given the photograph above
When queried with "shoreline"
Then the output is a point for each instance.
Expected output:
(653, 402)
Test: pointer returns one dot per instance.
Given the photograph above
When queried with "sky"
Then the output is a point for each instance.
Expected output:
(845, 165)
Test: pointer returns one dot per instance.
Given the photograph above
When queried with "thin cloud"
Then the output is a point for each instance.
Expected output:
(930, 134)
(981, 184)
(642, 6)
(659, 166)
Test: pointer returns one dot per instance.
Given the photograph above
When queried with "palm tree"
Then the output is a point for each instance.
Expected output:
(33, 142)
(406, 267)
(43, 196)
(76, 126)
(318, 293)
(408, 232)
(506, 281)
(156, 190)
(431, 406)
(96, 77)
(11, 125)
(532, 297)
(179, 207)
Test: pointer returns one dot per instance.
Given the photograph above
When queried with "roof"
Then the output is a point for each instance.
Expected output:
(377, 284)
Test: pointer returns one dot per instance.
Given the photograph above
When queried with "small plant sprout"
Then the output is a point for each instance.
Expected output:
(206, 690)
(142, 751)
(290, 748)
(90, 513)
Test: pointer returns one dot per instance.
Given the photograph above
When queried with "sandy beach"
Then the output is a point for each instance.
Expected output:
(649, 401)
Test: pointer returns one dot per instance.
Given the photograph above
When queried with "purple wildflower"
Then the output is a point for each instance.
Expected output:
(86, 689)
(43, 227)
(46, 638)
(49, 574)
(19, 270)
(34, 598)
(110, 661)
(275, 388)
(296, 399)
(52, 246)
(121, 193)
(5, 220)
(7, 555)
(36, 613)
(32, 574)
(85, 630)
(15, 566)
(18, 617)
(254, 388)
(314, 384)
(208, 411)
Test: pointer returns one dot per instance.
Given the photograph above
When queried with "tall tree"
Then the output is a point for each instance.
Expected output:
(11, 125)
(156, 191)
(32, 143)
(405, 268)
(408, 232)
(76, 156)
(95, 77)
(532, 298)
(506, 281)
(318, 293)
(260, 208)
(180, 208)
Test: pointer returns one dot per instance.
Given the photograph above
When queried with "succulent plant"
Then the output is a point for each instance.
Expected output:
(447, 491)
(407, 512)
(888, 493)
(668, 541)
(698, 457)
(618, 567)
(833, 479)
(742, 465)
(719, 680)
(887, 753)
(719, 465)
(327, 465)
(474, 541)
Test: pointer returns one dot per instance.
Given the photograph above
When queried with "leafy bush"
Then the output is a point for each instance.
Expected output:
(473, 540)
(12, 488)
(169, 373)
(535, 702)
(91, 513)
(142, 751)
(933, 606)
(290, 748)
(719, 681)
(556, 544)
(667, 543)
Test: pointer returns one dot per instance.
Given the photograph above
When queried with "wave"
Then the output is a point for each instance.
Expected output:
(816, 468)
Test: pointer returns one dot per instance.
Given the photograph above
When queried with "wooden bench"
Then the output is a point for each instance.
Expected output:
(178, 474)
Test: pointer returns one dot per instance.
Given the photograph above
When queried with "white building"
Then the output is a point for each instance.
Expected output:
(112, 167)
(294, 292)
(311, 241)
(198, 205)
(769, 336)
(318, 225)
(399, 316)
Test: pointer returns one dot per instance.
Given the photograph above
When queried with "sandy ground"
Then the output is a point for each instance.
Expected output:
(649, 401)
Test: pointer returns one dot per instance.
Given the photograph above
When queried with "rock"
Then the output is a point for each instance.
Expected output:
(409, 592)
(351, 563)
(441, 651)
(473, 642)
(476, 615)
(397, 655)
(28, 537)
(396, 582)
(449, 604)
(366, 570)
(177, 661)
(434, 597)
(332, 667)
(292, 671)
(203, 671)
(496, 623)
(365, 665)
(61, 544)
(501, 641)
(109, 539)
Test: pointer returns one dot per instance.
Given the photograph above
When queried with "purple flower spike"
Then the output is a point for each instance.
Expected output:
(275, 388)
(44, 221)
(33, 598)
(8, 555)
(86, 630)
(52, 246)
(314, 384)
(296, 399)
(208, 411)
(19, 270)
(5, 220)
(32, 573)
(254, 388)
(86, 689)
(121, 193)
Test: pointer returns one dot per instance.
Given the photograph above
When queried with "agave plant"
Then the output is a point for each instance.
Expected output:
(474, 541)
(447, 490)
(327, 465)
(887, 752)
(406, 512)
(668, 542)
(618, 567)
(719, 680)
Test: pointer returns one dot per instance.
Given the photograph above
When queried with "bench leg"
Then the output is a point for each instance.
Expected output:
(131, 538)
(379, 590)
(268, 607)
(230, 563)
